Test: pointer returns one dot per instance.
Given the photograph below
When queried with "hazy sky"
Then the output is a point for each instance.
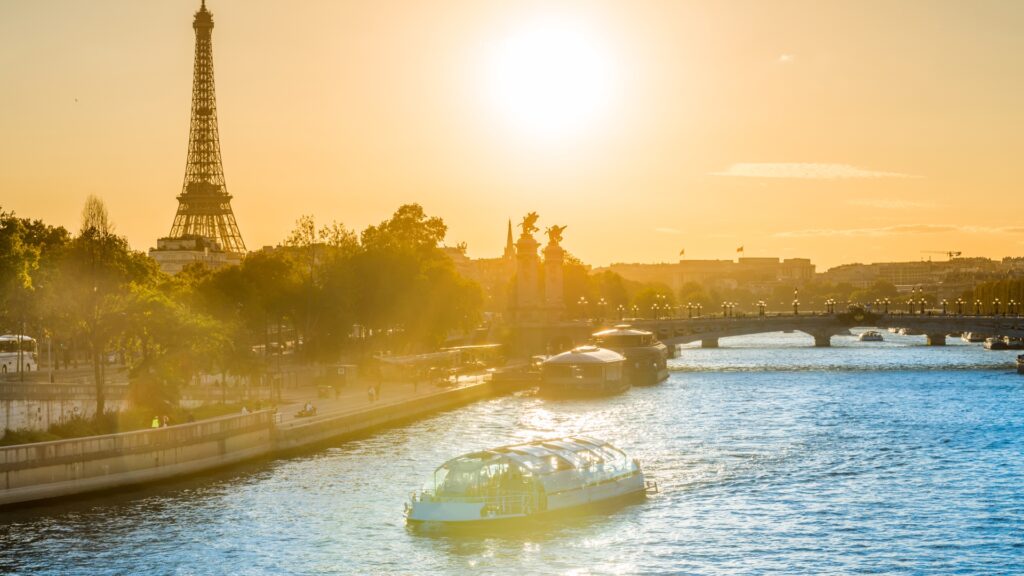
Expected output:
(840, 131)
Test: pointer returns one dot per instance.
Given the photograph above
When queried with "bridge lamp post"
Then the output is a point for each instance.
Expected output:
(959, 306)
(636, 310)
(944, 304)
(725, 307)
(689, 310)
(603, 305)
(886, 303)
(622, 311)
(582, 302)
(977, 307)
(700, 309)
(796, 307)
(995, 306)
(922, 302)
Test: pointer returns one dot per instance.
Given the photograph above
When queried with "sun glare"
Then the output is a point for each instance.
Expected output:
(551, 79)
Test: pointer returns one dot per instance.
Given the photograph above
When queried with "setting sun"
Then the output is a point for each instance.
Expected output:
(550, 78)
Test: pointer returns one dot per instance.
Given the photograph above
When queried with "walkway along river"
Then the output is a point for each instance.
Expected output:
(44, 470)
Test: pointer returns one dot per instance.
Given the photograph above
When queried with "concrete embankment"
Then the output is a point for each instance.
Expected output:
(46, 470)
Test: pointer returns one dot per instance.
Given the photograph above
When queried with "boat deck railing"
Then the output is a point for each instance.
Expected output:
(499, 504)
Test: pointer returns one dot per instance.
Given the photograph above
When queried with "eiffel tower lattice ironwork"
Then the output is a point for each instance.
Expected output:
(204, 206)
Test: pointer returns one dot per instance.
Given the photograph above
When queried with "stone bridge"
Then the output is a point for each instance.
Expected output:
(823, 326)
(549, 338)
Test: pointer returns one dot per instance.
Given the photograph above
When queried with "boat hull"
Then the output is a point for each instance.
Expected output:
(568, 502)
(562, 388)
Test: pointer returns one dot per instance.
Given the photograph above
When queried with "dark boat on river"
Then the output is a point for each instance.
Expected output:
(646, 356)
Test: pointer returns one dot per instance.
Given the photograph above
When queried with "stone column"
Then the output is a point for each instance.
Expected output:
(554, 301)
(527, 301)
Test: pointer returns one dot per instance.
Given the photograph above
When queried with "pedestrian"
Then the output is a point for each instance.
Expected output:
(156, 422)
(191, 418)
(166, 421)
(371, 392)
(244, 410)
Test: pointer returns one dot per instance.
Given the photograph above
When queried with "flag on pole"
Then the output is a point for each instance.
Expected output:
(740, 249)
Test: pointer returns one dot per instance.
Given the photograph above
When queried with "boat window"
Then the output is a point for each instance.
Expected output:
(587, 371)
(558, 371)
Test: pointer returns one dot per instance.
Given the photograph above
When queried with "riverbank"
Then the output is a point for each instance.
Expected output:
(47, 470)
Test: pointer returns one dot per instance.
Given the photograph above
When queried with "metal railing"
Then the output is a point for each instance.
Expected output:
(500, 504)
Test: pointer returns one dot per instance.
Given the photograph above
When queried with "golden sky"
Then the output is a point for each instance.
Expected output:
(841, 131)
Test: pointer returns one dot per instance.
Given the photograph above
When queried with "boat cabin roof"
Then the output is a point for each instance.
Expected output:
(16, 338)
(544, 456)
(586, 355)
(622, 330)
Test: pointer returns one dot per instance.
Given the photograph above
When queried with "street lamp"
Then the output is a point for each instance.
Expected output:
(689, 310)
(700, 309)
(886, 302)
(603, 305)
(582, 302)
(944, 304)
(977, 307)
(959, 306)
(995, 306)
(622, 311)
(796, 306)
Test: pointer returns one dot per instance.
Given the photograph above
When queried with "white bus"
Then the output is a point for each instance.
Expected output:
(10, 360)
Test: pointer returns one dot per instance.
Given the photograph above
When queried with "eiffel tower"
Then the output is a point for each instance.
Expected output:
(204, 227)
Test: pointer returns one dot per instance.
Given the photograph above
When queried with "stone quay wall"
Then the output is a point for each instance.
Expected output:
(46, 470)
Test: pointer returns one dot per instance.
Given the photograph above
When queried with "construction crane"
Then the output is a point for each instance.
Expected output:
(949, 253)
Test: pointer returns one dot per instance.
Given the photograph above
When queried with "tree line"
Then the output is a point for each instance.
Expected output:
(323, 292)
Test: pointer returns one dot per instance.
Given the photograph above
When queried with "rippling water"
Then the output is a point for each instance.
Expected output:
(771, 456)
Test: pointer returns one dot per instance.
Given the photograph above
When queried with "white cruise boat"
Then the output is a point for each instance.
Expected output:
(584, 371)
(870, 336)
(526, 480)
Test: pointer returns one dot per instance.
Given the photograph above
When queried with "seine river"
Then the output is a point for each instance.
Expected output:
(771, 456)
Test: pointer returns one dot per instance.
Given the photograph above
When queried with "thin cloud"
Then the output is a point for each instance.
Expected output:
(902, 229)
(804, 171)
(890, 204)
(786, 58)
(672, 231)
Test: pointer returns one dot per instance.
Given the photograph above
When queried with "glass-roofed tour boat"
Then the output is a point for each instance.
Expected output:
(527, 480)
